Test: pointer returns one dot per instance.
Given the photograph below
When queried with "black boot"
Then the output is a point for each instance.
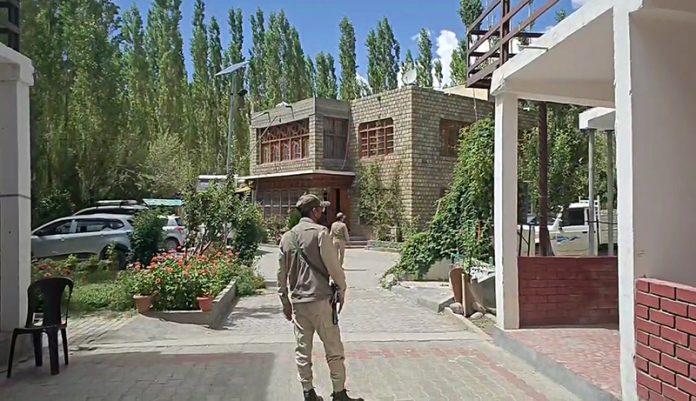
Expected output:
(343, 396)
(311, 395)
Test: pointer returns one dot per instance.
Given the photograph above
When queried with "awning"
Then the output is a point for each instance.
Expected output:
(164, 202)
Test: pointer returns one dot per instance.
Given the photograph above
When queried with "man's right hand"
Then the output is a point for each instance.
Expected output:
(287, 311)
(341, 299)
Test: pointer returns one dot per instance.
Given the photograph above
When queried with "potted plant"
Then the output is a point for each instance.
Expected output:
(205, 291)
(143, 286)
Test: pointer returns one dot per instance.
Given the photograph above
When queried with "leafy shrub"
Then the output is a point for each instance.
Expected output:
(294, 217)
(248, 223)
(147, 236)
(94, 296)
(53, 205)
(463, 223)
(177, 282)
(417, 255)
(214, 213)
(274, 228)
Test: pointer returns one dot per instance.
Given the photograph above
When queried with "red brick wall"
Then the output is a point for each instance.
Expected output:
(665, 340)
(568, 291)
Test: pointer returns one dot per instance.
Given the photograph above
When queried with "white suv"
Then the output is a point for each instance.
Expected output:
(174, 232)
(83, 236)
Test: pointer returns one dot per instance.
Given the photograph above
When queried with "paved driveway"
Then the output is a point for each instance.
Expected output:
(395, 351)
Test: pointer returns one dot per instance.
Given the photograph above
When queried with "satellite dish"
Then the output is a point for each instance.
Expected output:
(409, 77)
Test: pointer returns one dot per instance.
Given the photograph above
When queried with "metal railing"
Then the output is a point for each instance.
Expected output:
(499, 37)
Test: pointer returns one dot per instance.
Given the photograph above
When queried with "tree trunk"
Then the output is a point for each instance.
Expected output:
(544, 241)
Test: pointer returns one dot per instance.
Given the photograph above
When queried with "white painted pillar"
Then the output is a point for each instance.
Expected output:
(505, 212)
(15, 200)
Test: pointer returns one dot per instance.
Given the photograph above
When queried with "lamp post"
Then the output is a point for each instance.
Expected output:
(233, 105)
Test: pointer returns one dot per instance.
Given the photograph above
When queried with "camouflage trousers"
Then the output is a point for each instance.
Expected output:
(317, 317)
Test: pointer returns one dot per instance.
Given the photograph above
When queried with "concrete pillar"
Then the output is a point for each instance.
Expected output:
(505, 212)
(654, 93)
(15, 200)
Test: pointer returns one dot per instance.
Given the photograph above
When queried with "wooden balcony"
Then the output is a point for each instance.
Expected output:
(490, 48)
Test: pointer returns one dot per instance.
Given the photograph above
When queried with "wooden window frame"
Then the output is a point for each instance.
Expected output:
(376, 138)
(282, 143)
(337, 130)
(449, 136)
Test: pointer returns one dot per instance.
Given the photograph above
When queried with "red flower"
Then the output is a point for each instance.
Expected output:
(168, 269)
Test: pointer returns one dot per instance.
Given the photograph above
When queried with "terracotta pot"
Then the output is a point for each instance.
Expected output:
(205, 303)
(143, 303)
(455, 275)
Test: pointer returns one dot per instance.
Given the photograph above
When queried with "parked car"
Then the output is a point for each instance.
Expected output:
(174, 232)
(125, 207)
(84, 237)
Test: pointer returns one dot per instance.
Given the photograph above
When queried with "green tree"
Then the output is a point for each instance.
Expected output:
(94, 108)
(257, 62)
(42, 41)
(437, 68)
(424, 64)
(217, 98)
(383, 58)
(347, 58)
(139, 95)
(312, 74)
(326, 76)
(240, 130)
(408, 63)
(200, 140)
(469, 10)
(272, 63)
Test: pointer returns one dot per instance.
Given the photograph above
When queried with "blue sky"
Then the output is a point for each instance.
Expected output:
(317, 21)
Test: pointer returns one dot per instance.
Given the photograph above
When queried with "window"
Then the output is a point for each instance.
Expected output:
(283, 142)
(57, 228)
(449, 131)
(278, 202)
(376, 138)
(335, 137)
(574, 217)
(90, 226)
(115, 224)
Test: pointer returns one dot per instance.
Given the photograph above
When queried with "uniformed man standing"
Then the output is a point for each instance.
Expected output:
(308, 263)
(340, 236)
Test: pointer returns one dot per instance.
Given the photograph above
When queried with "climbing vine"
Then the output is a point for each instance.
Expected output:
(463, 223)
(379, 205)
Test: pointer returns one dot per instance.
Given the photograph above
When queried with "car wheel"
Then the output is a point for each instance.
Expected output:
(170, 244)
(121, 257)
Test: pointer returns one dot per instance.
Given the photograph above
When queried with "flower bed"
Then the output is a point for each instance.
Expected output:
(175, 282)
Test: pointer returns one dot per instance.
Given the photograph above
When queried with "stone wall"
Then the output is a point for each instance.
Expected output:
(431, 169)
(568, 290)
(665, 321)
(394, 104)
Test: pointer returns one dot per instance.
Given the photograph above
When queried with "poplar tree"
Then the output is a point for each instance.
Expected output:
(424, 64)
(347, 58)
(326, 76)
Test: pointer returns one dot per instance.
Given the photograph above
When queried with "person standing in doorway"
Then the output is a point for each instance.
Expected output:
(308, 262)
(340, 236)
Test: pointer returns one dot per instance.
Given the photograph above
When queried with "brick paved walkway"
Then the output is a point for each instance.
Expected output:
(395, 351)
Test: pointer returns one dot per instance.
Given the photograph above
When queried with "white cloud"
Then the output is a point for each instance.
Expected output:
(579, 3)
(417, 35)
(446, 43)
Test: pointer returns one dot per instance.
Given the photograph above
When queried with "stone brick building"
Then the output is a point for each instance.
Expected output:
(317, 145)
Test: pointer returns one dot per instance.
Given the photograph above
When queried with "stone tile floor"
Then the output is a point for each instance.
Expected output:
(394, 350)
(591, 352)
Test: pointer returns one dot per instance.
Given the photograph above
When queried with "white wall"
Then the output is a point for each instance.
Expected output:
(655, 98)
